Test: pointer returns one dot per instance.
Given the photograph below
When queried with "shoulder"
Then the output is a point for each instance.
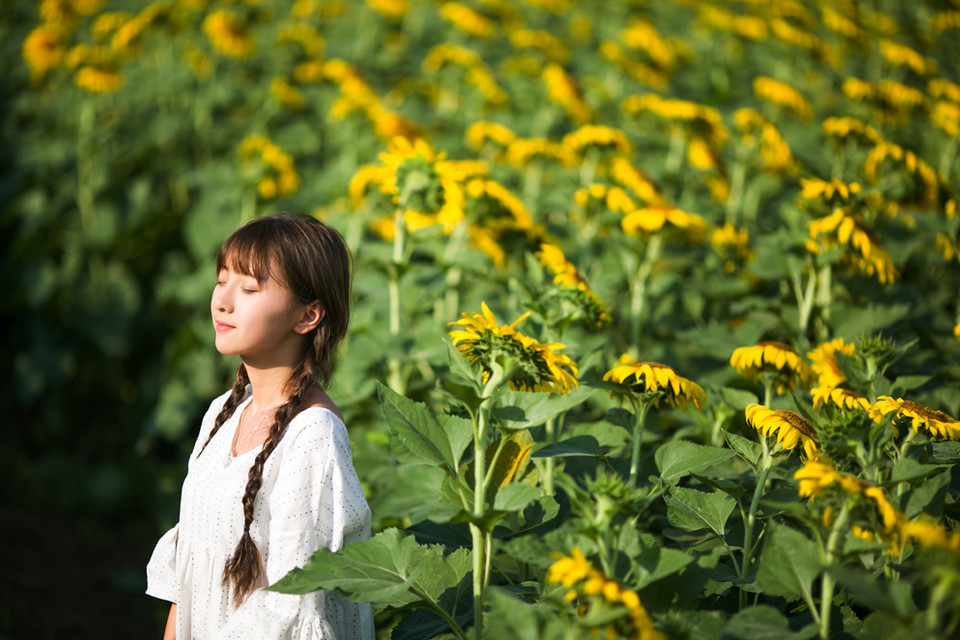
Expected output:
(317, 431)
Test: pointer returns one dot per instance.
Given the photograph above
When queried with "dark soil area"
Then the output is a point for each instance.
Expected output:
(66, 578)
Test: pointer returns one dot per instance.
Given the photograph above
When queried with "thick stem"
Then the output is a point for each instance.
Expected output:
(85, 163)
(637, 437)
(396, 380)
(639, 289)
(827, 582)
(766, 463)
(478, 535)
(548, 464)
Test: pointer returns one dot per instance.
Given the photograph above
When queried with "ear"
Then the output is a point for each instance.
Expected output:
(311, 318)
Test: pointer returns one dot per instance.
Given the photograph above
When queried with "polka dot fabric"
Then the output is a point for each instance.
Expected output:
(310, 498)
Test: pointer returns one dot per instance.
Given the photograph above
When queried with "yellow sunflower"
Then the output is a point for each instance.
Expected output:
(229, 35)
(863, 249)
(936, 422)
(652, 219)
(44, 48)
(772, 357)
(783, 95)
(570, 281)
(842, 398)
(595, 135)
(789, 428)
(537, 367)
(645, 377)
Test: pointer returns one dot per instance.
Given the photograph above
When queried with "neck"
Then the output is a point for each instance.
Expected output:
(267, 385)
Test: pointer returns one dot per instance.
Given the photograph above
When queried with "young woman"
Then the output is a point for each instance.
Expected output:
(271, 478)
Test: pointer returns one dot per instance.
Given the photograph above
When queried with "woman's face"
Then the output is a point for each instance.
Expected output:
(260, 322)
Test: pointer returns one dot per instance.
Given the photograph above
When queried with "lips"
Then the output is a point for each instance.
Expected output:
(222, 326)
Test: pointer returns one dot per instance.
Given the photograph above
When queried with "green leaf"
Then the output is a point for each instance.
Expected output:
(927, 496)
(419, 436)
(586, 446)
(681, 458)
(789, 563)
(655, 563)
(857, 321)
(906, 384)
(762, 622)
(748, 449)
(908, 469)
(522, 410)
(694, 510)
(875, 591)
(389, 569)
(515, 496)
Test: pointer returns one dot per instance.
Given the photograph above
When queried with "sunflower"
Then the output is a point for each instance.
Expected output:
(563, 90)
(421, 185)
(815, 476)
(582, 579)
(480, 133)
(817, 189)
(98, 79)
(648, 220)
(467, 20)
(229, 35)
(936, 422)
(536, 366)
(647, 377)
(595, 135)
(772, 357)
(824, 363)
(783, 95)
(572, 283)
(863, 248)
(842, 398)
(44, 48)
(789, 428)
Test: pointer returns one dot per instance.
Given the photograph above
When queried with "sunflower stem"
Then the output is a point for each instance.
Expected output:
(85, 163)
(548, 464)
(827, 582)
(478, 535)
(637, 437)
(639, 288)
(766, 462)
(395, 380)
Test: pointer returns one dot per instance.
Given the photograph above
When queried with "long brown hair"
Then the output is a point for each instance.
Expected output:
(313, 262)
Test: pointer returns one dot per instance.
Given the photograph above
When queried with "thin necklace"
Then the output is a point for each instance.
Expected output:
(240, 446)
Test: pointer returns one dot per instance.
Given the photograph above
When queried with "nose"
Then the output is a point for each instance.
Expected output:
(220, 301)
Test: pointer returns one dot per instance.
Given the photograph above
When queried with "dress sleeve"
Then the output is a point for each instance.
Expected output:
(162, 569)
(316, 501)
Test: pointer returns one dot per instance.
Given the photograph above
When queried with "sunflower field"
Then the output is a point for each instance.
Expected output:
(656, 329)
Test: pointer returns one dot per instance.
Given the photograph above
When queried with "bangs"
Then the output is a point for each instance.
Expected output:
(248, 251)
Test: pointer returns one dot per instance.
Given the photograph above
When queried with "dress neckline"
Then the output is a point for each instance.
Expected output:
(235, 418)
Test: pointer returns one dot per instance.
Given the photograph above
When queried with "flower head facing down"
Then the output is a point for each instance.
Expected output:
(572, 286)
(789, 428)
(772, 357)
(648, 377)
(535, 366)
(917, 415)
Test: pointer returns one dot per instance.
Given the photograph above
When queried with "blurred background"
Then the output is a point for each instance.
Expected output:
(136, 136)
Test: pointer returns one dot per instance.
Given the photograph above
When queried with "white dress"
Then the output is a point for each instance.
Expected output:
(310, 498)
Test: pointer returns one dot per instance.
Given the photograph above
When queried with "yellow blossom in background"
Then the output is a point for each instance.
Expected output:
(936, 422)
(640, 34)
(788, 427)
(647, 377)
(774, 151)
(956, 331)
(479, 133)
(892, 100)
(583, 580)
(563, 90)
(846, 127)
(948, 248)
(945, 21)
(783, 95)
(442, 54)
(946, 115)
(288, 95)
(817, 189)
(467, 20)
(107, 23)
(823, 361)
(851, 232)
(362, 179)
(745, 26)
(702, 120)
(624, 173)
(230, 35)
(774, 357)
(277, 175)
(815, 476)
(733, 244)
(639, 71)
(44, 48)
(198, 61)
(98, 79)
(944, 89)
(840, 398)
(394, 9)
(841, 24)
(594, 135)
(555, 49)
(928, 182)
(901, 55)
(789, 34)
(568, 278)
(483, 79)
(304, 34)
(648, 220)
(522, 150)
(539, 366)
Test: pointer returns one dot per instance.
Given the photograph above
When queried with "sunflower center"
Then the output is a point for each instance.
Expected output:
(798, 423)
(926, 412)
(778, 345)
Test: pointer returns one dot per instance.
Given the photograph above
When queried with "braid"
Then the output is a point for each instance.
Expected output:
(237, 394)
(244, 569)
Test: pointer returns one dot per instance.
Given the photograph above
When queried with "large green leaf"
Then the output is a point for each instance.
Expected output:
(389, 569)
(748, 449)
(789, 563)
(763, 622)
(681, 458)
(577, 446)
(419, 436)
(694, 510)
(522, 410)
